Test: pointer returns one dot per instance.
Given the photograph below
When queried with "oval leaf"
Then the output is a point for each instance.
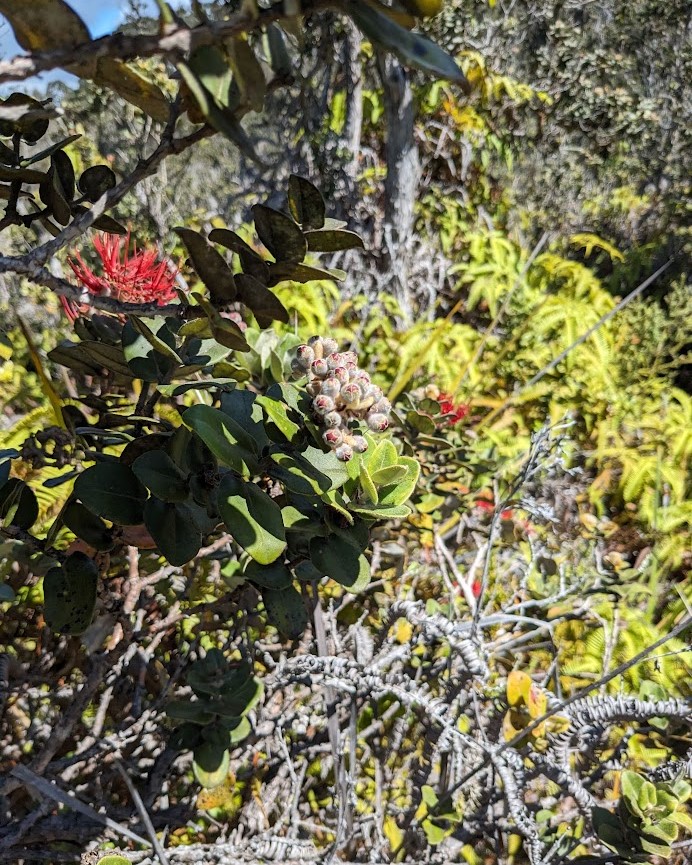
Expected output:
(253, 518)
(112, 491)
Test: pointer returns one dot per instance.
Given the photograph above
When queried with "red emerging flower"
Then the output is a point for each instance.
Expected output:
(447, 407)
(137, 278)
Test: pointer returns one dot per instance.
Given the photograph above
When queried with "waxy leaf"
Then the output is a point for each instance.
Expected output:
(173, 529)
(87, 526)
(18, 504)
(279, 233)
(329, 240)
(210, 266)
(210, 764)
(252, 517)
(230, 442)
(250, 260)
(274, 576)
(70, 594)
(286, 611)
(159, 474)
(111, 490)
(265, 306)
(305, 203)
(337, 558)
(412, 48)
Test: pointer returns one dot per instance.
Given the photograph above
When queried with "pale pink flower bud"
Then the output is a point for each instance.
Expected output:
(359, 444)
(319, 367)
(344, 452)
(331, 386)
(378, 422)
(333, 437)
(341, 374)
(332, 419)
(335, 359)
(316, 343)
(374, 392)
(350, 357)
(382, 406)
(329, 345)
(323, 404)
(351, 393)
(305, 355)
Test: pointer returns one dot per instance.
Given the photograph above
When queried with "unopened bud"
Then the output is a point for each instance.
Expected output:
(341, 374)
(333, 437)
(314, 387)
(335, 359)
(351, 393)
(329, 345)
(319, 367)
(359, 444)
(332, 419)
(378, 422)
(315, 342)
(305, 355)
(382, 406)
(323, 404)
(331, 386)
(350, 357)
(344, 452)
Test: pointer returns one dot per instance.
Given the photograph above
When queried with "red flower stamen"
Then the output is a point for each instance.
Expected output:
(136, 278)
(448, 407)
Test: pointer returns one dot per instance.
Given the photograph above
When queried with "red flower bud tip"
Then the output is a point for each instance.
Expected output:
(331, 386)
(351, 393)
(449, 407)
(323, 404)
(319, 367)
(378, 422)
(305, 355)
(137, 278)
(344, 452)
(333, 437)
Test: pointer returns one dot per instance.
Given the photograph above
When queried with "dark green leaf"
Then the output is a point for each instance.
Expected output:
(112, 491)
(173, 529)
(230, 443)
(328, 240)
(48, 151)
(286, 270)
(265, 306)
(210, 266)
(18, 504)
(337, 558)
(210, 764)
(305, 203)
(279, 233)
(274, 576)
(250, 260)
(159, 474)
(96, 181)
(286, 611)
(412, 48)
(70, 594)
(87, 526)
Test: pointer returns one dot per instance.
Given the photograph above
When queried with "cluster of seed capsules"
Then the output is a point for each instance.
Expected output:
(343, 397)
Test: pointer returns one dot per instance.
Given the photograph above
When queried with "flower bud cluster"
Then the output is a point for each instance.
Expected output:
(342, 395)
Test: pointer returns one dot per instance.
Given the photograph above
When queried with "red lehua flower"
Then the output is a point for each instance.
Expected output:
(448, 407)
(137, 278)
